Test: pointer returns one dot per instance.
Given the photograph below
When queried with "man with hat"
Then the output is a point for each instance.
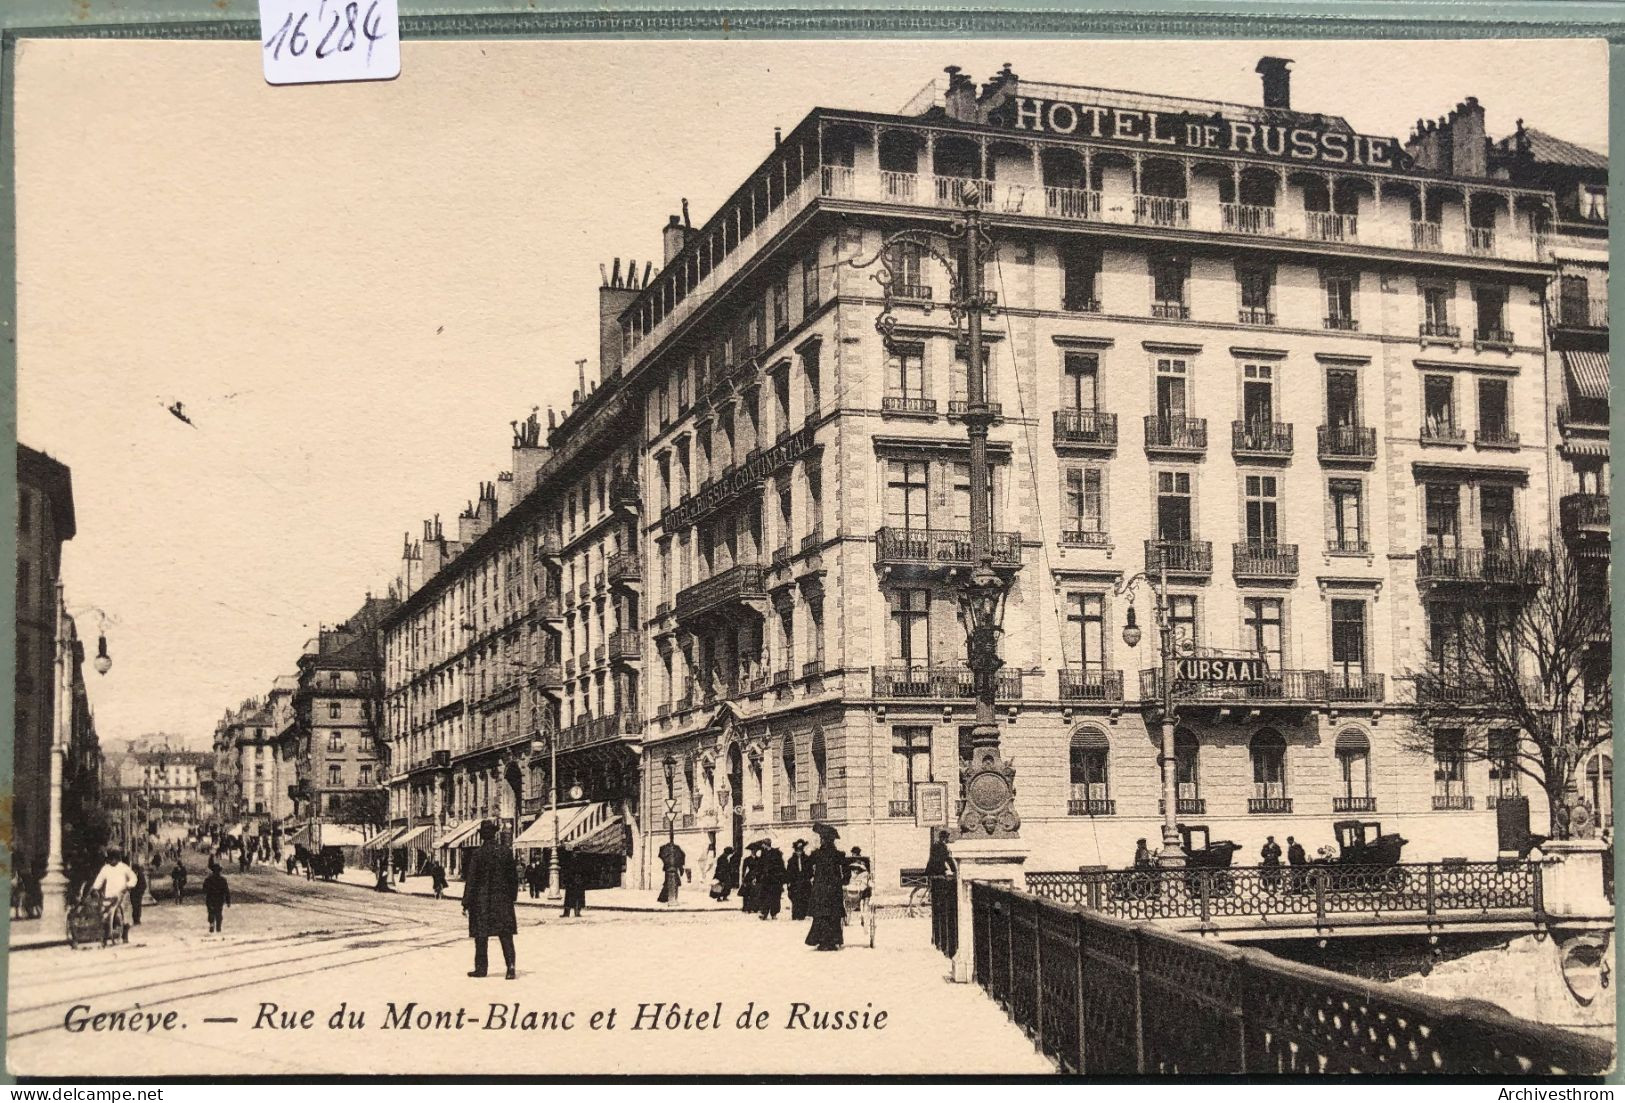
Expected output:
(490, 886)
(798, 875)
(672, 860)
(827, 897)
(750, 877)
(769, 880)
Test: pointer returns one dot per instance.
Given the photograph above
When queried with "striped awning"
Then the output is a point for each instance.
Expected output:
(382, 840)
(460, 834)
(1588, 373)
(416, 837)
(612, 837)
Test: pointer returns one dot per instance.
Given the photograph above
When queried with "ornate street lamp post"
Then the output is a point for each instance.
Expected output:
(1172, 853)
(988, 782)
(670, 763)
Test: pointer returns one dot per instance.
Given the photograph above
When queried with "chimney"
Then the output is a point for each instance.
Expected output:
(615, 294)
(505, 495)
(961, 96)
(1454, 145)
(1277, 81)
(529, 453)
(673, 237)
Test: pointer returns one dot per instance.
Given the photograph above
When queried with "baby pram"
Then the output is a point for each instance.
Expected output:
(94, 920)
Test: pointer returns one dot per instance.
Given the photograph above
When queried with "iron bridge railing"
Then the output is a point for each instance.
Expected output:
(1103, 997)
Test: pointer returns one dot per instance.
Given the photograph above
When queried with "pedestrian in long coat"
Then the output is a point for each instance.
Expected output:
(139, 894)
(770, 882)
(827, 900)
(177, 877)
(748, 878)
(798, 876)
(672, 861)
(573, 880)
(490, 886)
(727, 875)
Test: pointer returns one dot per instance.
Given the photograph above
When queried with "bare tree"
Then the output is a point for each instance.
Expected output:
(1524, 645)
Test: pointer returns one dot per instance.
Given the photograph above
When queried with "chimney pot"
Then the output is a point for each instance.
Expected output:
(1277, 81)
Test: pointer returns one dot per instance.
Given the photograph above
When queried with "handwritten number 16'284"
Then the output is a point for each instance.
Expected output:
(344, 26)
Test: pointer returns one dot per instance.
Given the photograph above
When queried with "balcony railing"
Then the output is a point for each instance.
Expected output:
(781, 556)
(1495, 436)
(1452, 802)
(1263, 438)
(1354, 804)
(1086, 538)
(1457, 564)
(1091, 806)
(1353, 687)
(1427, 235)
(1255, 316)
(782, 676)
(1246, 218)
(596, 730)
(1075, 203)
(812, 541)
(813, 668)
(943, 683)
(1181, 556)
(625, 645)
(1091, 685)
(1162, 210)
(1440, 432)
(1584, 513)
(900, 809)
(1185, 806)
(1591, 313)
(1264, 559)
(1175, 434)
(1347, 442)
(1287, 686)
(1269, 806)
(1443, 330)
(1348, 545)
(1493, 337)
(1340, 321)
(1178, 312)
(1089, 428)
(958, 406)
(1330, 226)
(908, 404)
(624, 567)
(940, 548)
(1481, 240)
(551, 607)
(918, 291)
(1434, 689)
(818, 810)
(742, 582)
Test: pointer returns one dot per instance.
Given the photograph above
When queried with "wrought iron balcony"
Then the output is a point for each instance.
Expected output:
(1162, 210)
(1443, 432)
(1091, 685)
(551, 607)
(1347, 442)
(624, 493)
(1354, 687)
(1269, 806)
(943, 683)
(908, 404)
(1175, 434)
(1255, 316)
(625, 646)
(919, 291)
(1481, 240)
(1354, 804)
(1450, 689)
(1185, 806)
(1086, 538)
(1187, 557)
(1348, 545)
(739, 586)
(1072, 203)
(596, 731)
(1264, 559)
(1584, 515)
(1331, 226)
(1495, 435)
(1290, 687)
(1493, 337)
(1091, 806)
(1452, 802)
(900, 809)
(958, 406)
(818, 810)
(550, 678)
(1171, 310)
(624, 567)
(1441, 330)
(1261, 438)
(814, 668)
(1436, 565)
(1427, 235)
(782, 676)
(1246, 218)
(940, 548)
(1340, 321)
(1092, 429)
(812, 541)
(787, 813)
(781, 556)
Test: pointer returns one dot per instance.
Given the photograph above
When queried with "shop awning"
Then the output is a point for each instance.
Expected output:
(611, 837)
(541, 834)
(381, 840)
(1588, 373)
(415, 837)
(301, 835)
(341, 834)
(459, 835)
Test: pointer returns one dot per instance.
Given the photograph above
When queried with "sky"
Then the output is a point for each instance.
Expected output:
(354, 288)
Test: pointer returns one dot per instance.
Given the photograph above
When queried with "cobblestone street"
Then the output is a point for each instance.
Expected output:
(312, 946)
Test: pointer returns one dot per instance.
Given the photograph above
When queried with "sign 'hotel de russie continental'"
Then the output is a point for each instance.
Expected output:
(1310, 373)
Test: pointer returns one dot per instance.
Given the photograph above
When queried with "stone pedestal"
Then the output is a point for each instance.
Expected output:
(1571, 879)
(1580, 921)
(997, 861)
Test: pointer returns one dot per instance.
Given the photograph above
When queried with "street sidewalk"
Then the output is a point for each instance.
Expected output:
(692, 898)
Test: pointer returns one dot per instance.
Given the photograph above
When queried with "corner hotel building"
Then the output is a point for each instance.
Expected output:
(1316, 389)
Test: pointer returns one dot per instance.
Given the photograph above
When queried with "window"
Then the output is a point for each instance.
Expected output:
(1086, 631)
(1436, 310)
(905, 373)
(907, 272)
(1348, 646)
(809, 283)
(786, 515)
(781, 306)
(1594, 202)
(910, 762)
(663, 404)
(1353, 772)
(333, 710)
(1080, 381)
(1174, 506)
(1494, 420)
(910, 621)
(815, 628)
(1345, 499)
(1172, 380)
(1169, 276)
(1080, 275)
(1443, 516)
(820, 765)
(1088, 754)
(809, 371)
(906, 498)
(1187, 776)
(335, 775)
(366, 774)
(1504, 764)
(1082, 505)
(1268, 753)
(663, 468)
(1600, 787)
(1262, 509)
(682, 385)
(1489, 304)
(958, 384)
(1339, 301)
(1450, 771)
(787, 755)
(1182, 620)
(1261, 628)
(1439, 408)
(1254, 284)
(781, 400)
(335, 741)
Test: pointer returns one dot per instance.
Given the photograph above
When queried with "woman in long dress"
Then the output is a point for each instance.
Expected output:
(827, 899)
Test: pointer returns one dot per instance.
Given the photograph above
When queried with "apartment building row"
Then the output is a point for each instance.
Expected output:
(1318, 396)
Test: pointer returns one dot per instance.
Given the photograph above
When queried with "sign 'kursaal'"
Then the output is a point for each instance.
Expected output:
(1228, 634)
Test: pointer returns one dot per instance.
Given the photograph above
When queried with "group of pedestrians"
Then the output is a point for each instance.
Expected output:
(122, 890)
